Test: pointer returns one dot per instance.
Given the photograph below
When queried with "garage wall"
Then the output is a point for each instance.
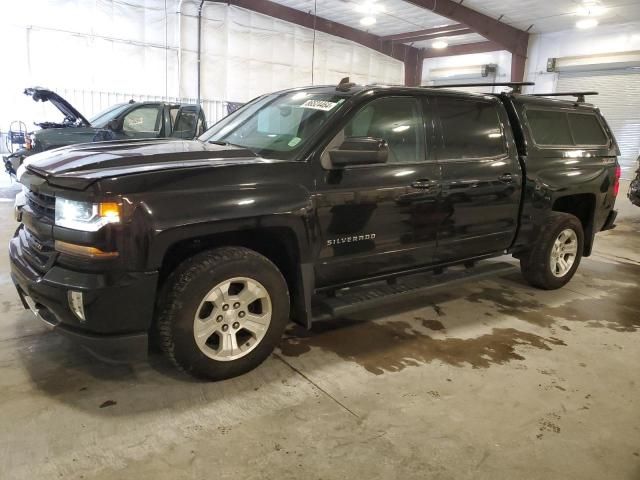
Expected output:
(96, 50)
(246, 54)
(598, 41)
(466, 69)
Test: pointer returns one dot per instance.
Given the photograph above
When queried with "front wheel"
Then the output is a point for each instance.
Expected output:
(223, 312)
(556, 254)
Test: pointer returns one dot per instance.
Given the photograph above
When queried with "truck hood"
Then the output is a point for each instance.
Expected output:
(78, 166)
(40, 94)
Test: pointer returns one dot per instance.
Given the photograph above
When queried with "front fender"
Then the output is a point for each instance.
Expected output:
(178, 216)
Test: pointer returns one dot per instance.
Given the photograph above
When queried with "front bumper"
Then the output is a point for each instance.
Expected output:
(118, 307)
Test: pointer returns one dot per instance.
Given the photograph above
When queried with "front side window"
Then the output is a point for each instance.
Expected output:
(147, 119)
(470, 128)
(276, 126)
(398, 120)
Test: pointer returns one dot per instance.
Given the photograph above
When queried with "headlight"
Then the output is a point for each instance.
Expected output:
(86, 216)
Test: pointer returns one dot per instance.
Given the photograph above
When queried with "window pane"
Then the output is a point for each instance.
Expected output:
(587, 129)
(470, 129)
(549, 128)
(396, 120)
(186, 124)
(278, 125)
(143, 119)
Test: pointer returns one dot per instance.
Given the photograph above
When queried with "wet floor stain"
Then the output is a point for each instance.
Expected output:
(617, 309)
(393, 346)
(431, 324)
(382, 347)
(108, 403)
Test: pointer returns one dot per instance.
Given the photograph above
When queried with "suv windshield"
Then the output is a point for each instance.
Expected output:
(276, 126)
(100, 120)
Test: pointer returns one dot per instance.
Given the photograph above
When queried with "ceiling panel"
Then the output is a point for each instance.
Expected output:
(398, 16)
(552, 16)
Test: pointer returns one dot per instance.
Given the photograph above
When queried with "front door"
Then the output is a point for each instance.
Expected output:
(144, 121)
(481, 177)
(379, 218)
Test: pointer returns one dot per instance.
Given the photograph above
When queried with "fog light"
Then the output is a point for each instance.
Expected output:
(76, 304)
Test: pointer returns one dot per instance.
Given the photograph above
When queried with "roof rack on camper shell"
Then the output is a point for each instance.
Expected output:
(515, 86)
(579, 95)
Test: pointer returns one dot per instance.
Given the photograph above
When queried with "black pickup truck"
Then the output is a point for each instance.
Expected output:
(305, 204)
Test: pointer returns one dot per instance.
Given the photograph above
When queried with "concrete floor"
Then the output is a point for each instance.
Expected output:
(493, 380)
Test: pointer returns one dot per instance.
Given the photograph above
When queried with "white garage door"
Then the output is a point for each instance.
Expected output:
(619, 101)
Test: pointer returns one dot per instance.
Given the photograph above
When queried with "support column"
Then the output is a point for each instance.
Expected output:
(413, 67)
(517, 67)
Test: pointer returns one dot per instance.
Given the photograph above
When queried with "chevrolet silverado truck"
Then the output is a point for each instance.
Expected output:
(121, 121)
(306, 204)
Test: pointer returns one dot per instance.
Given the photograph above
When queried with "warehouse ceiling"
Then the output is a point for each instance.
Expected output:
(393, 17)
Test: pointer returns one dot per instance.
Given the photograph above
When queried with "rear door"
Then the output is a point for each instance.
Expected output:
(379, 218)
(189, 123)
(481, 176)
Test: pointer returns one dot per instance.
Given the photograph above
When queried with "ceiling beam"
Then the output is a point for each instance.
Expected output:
(399, 51)
(429, 33)
(464, 49)
(510, 38)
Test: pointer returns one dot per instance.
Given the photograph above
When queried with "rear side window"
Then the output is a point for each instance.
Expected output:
(561, 128)
(549, 127)
(470, 128)
(587, 130)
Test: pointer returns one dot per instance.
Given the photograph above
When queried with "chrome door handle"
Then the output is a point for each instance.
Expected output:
(424, 184)
(506, 178)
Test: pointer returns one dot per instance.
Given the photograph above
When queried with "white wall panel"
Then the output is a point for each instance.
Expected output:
(148, 47)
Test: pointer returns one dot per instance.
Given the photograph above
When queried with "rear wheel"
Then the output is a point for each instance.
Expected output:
(556, 254)
(223, 312)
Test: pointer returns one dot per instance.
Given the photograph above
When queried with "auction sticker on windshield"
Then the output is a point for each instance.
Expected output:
(323, 105)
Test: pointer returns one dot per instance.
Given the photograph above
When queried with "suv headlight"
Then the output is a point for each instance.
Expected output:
(89, 217)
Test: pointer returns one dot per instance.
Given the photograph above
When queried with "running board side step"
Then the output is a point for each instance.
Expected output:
(350, 300)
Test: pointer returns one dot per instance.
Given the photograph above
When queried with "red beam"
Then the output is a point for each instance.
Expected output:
(446, 31)
(401, 52)
(517, 67)
(465, 49)
(413, 68)
(510, 38)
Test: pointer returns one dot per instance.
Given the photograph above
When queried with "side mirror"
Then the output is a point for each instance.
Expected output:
(360, 151)
(114, 125)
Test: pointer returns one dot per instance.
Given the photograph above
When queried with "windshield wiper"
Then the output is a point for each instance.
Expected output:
(227, 144)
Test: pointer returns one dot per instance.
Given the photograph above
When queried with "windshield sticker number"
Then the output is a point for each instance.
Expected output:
(323, 105)
(294, 141)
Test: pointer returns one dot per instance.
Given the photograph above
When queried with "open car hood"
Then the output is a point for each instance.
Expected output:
(71, 114)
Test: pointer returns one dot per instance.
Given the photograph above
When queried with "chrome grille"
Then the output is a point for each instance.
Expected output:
(41, 204)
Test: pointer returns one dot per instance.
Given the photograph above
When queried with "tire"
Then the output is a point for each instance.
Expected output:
(212, 290)
(538, 264)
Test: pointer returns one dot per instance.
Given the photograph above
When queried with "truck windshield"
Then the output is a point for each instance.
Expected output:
(103, 118)
(276, 126)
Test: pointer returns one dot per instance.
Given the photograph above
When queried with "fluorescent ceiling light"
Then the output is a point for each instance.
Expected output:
(369, 7)
(439, 44)
(368, 21)
(590, 8)
(586, 23)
